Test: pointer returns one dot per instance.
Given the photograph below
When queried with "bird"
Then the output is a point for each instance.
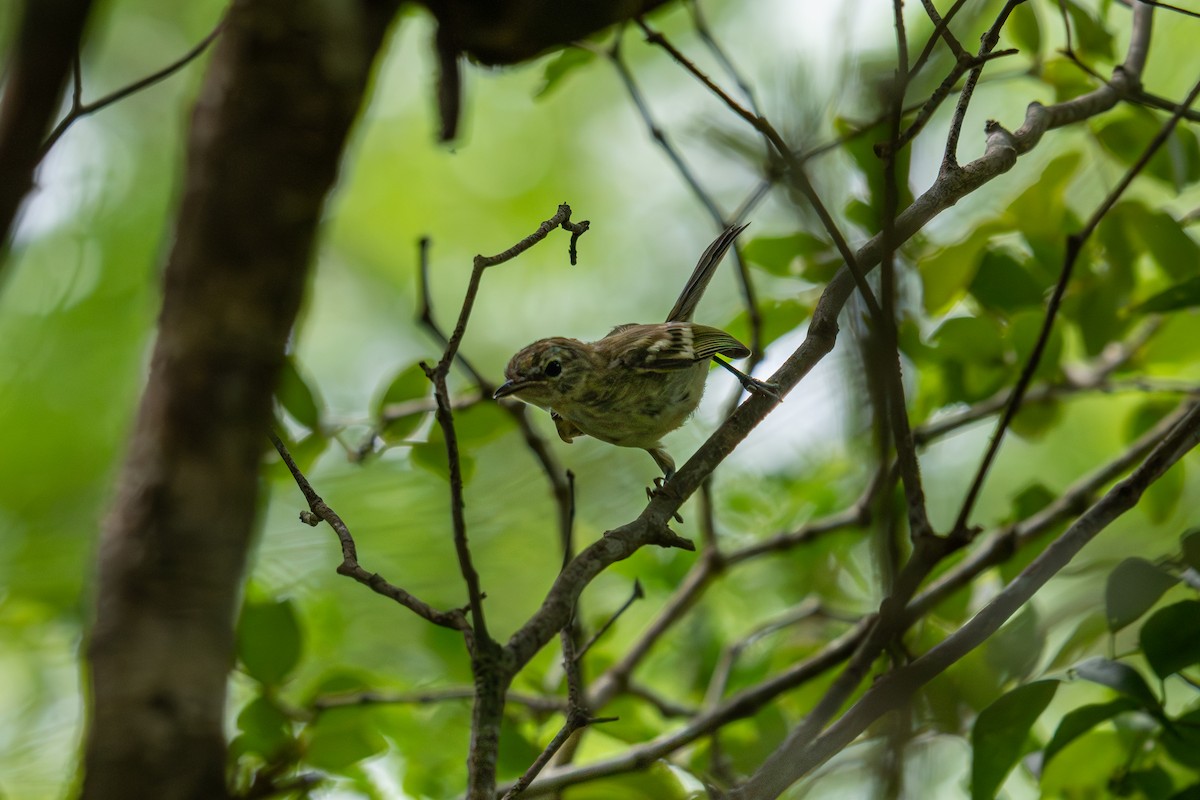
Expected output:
(638, 383)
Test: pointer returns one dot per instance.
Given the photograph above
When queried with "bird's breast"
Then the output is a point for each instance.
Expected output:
(636, 409)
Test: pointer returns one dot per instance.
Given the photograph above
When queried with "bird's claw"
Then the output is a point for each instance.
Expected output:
(755, 386)
(660, 487)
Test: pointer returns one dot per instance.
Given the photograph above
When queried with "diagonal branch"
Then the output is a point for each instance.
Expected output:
(790, 763)
(320, 510)
(1075, 244)
(80, 109)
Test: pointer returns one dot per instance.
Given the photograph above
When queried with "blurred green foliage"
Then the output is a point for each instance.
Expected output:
(78, 305)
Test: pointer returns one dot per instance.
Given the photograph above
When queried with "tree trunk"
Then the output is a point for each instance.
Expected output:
(282, 90)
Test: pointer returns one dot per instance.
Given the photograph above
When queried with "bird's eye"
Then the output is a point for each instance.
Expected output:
(553, 369)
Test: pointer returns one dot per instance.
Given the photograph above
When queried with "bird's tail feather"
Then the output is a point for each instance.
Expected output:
(689, 298)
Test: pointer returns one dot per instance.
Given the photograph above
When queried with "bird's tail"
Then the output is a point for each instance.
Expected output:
(689, 298)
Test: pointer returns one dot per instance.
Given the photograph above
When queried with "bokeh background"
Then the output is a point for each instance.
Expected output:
(77, 313)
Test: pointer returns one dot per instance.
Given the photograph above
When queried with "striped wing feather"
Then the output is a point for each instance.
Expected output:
(674, 345)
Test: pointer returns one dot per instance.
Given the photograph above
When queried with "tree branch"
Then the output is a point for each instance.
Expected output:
(43, 49)
(320, 510)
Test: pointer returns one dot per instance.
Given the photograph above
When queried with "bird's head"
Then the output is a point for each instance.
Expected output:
(546, 372)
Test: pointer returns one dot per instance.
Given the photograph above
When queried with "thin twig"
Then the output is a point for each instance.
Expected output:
(560, 484)
(1075, 244)
(637, 594)
(795, 758)
(721, 220)
(445, 417)
(320, 510)
(577, 715)
(987, 44)
(80, 109)
(537, 703)
(1001, 546)
(795, 165)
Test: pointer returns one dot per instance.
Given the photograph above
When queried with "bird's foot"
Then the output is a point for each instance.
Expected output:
(755, 386)
(661, 487)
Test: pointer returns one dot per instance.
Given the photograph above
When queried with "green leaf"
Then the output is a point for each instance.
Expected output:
(777, 254)
(1161, 498)
(1164, 238)
(517, 749)
(433, 456)
(1089, 630)
(1133, 587)
(1078, 722)
(1003, 283)
(947, 272)
(1189, 793)
(407, 385)
(560, 66)
(1023, 333)
(970, 339)
(778, 317)
(1145, 415)
(1182, 739)
(1030, 500)
(1035, 420)
(268, 640)
(1041, 213)
(1091, 38)
(1127, 136)
(1024, 29)
(1087, 767)
(862, 214)
(861, 149)
(1015, 649)
(1120, 677)
(342, 737)
(1152, 784)
(1065, 77)
(297, 397)
(265, 728)
(1190, 544)
(1173, 298)
(1000, 735)
(481, 423)
(1097, 307)
(1170, 638)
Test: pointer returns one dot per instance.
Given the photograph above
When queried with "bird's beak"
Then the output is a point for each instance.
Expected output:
(509, 387)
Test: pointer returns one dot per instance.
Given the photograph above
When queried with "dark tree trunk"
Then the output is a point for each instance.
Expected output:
(281, 93)
(44, 47)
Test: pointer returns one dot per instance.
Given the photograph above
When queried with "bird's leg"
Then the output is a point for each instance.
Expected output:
(667, 465)
(752, 385)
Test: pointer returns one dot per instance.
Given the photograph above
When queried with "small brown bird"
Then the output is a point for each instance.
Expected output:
(638, 383)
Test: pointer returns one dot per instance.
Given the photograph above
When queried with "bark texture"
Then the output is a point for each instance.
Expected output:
(281, 93)
(45, 46)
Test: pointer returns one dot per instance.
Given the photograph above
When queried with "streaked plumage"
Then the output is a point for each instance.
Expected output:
(639, 382)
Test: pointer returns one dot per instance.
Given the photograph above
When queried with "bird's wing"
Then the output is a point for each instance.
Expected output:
(622, 327)
(675, 345)
(708, 341)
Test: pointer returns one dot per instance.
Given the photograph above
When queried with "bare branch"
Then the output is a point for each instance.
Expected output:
(1075, 244)
(634, 596)
(795, 758)
(536, 703)
(350, 567)
(80, 109)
